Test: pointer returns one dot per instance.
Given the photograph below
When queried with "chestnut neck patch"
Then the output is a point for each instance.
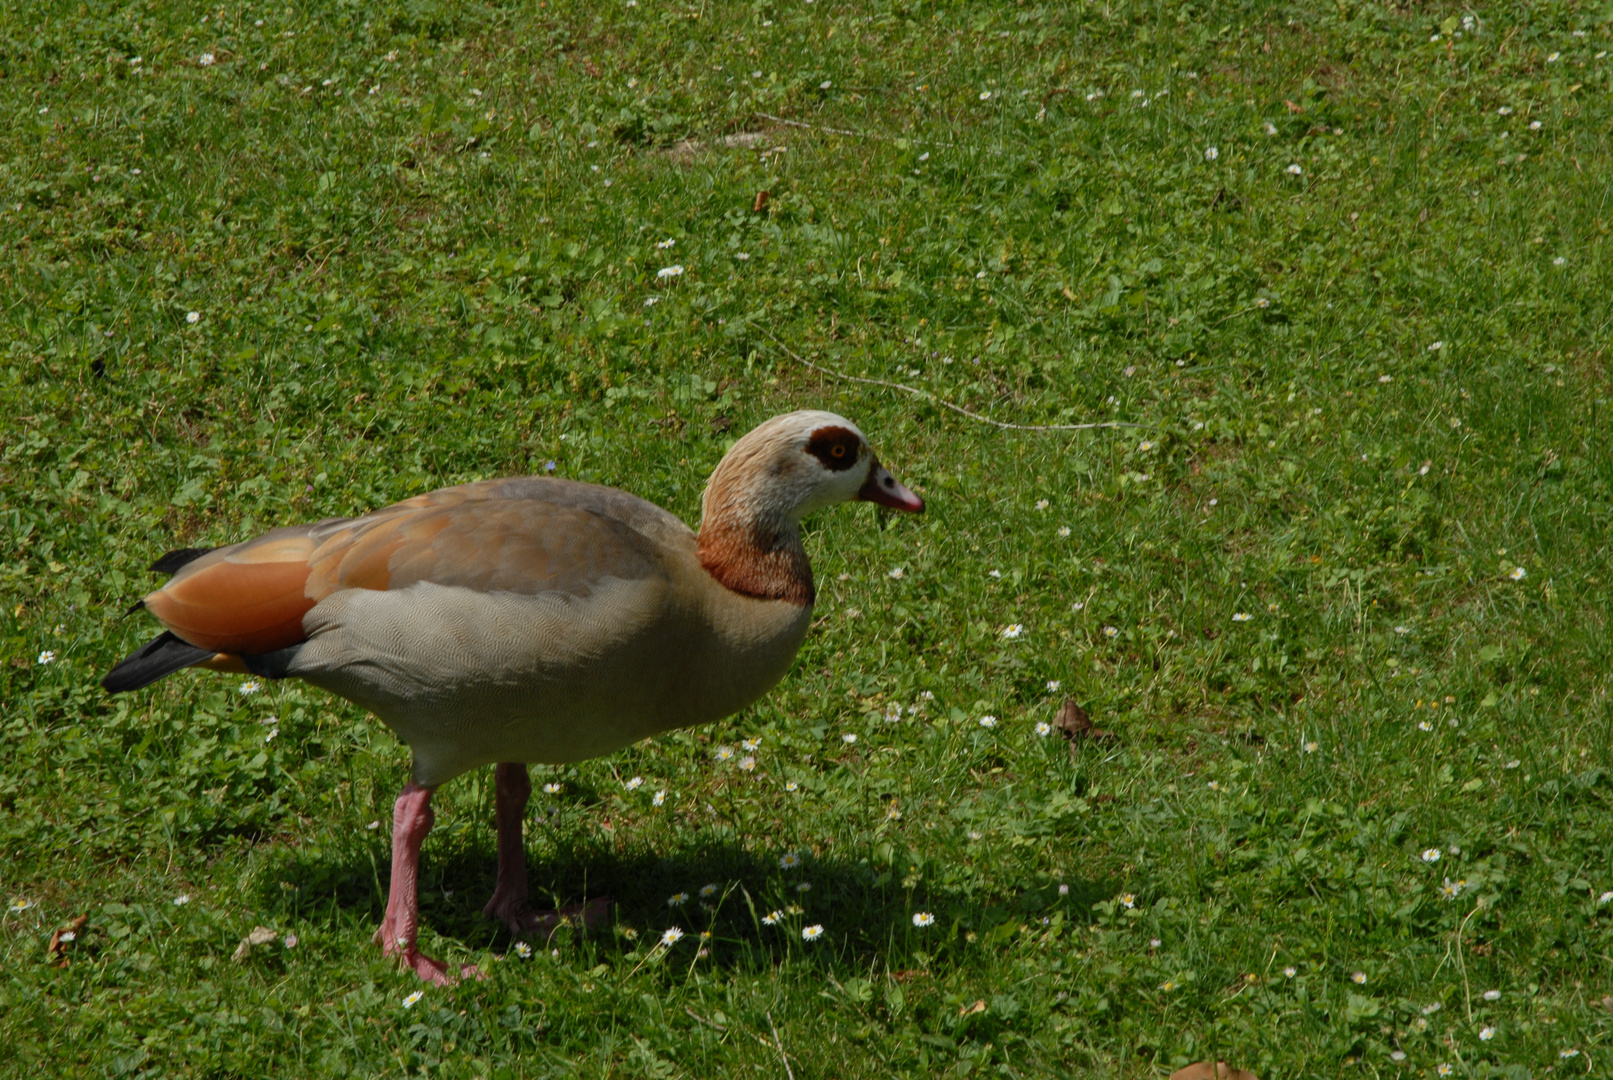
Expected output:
(757, 565)
(835, 446)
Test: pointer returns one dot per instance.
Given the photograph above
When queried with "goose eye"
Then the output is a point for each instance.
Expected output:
(835, 447)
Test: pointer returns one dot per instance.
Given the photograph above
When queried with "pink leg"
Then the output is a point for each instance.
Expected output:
(509, 903)
(400, 930)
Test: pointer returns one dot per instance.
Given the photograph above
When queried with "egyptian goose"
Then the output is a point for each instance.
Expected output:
(524, 620)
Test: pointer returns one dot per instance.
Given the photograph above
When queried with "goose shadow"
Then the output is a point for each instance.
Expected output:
(706, 883)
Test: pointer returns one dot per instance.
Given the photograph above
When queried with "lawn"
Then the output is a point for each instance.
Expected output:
(1334, 583)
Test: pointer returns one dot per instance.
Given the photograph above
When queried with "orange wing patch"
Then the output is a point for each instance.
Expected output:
(246, 598)
(250, 598)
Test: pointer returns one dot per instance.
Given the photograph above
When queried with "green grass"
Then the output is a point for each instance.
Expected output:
(448, 277)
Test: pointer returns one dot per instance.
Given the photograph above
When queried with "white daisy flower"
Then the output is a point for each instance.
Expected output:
(1064, 530)
(251, 686)
(1492, 995)
(789, 860)
(1290, 972)
(724, 753)
(1241, 616)
(410, 1001)
(1044, 729)
(1431, 855)
(988, 721)
(669, 272)
(659, 798)
(1487, 1033)
(634, 783)
(897, 573)
(1359, 978)
(664, 244)
(772, 918)
(1295, 170)
(1211, 153)
(1518, 573)
(811, 933)
(671, 936)
(207, 59)
(551, 788)
(193, 317)
(1013, 630)
(791, 785)
(181, 900)
(923, 918)
(48, 656)
(523, 950)
(677, 899)
(708, 890)
(848, 738)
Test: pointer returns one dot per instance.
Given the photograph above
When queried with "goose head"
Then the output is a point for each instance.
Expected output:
(794, 464)
(776, 474)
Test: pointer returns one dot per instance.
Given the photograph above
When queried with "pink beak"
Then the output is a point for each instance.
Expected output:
(883, 489)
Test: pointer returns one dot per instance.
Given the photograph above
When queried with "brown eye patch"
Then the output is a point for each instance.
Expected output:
(836, 447)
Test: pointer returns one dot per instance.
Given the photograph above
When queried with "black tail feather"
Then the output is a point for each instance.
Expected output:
(171, 562)
(162, 656)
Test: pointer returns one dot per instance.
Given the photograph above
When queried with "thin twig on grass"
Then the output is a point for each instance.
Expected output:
(863, 134)
(789, 1072)
(942, 401)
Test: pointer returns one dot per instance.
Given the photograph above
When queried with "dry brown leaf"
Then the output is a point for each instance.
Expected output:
(970, 1010)
(1201, 1070)
(761, 202)
(260, 935)
(1074, 724)
(57, 949)
(1297, 110)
